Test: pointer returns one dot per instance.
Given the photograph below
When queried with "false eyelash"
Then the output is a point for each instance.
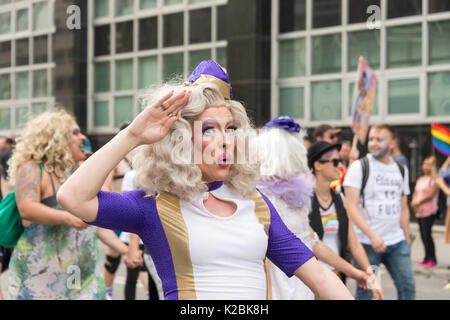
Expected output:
(206, 128)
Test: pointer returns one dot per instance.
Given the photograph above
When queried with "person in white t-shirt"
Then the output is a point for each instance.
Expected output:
(380, 212)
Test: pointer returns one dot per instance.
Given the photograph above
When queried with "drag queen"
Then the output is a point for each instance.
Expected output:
(289, 184)
(198, 213)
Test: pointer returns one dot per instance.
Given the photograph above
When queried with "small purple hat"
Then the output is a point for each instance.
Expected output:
(284, 122)
(209, 71)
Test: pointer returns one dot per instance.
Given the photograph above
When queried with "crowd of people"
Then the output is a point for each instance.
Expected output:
(296, 224)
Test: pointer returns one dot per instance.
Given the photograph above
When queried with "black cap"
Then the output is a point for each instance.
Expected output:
(317, 149)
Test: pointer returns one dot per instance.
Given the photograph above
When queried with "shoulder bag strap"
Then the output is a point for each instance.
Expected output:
(365, 176)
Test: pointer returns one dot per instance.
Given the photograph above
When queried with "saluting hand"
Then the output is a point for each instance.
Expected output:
(153, 123)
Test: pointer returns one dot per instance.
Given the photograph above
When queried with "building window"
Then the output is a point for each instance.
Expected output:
(124, 75)
(124, 37)
(364, 43)
(5, 22)
(172, 66)
(148, 4)
(101, 77)
(148, 33)
(439, 46)
(438, 6)
(292, 15)
(404, 46)
(123, 7)
(403, 96)
(221, 56)
(403, 8)
(101, 113)
(37, 108)
(41, 16)
(326, 53)
(292, 58)
(22, 52)
(5, 54)
(22, 20)
(102, 40)
(25, 87)
(292, 102)
(123, 110)
(200, 25)
(5, 118)
(167, 47)
(412, 67)
(101, 8)
(22, 116)
(438, 94)
(326, 100)
(148, 71)
(173, 29)
(171, 2)
(40, 49)
(326, 13)
(40, 88)
(5, 86)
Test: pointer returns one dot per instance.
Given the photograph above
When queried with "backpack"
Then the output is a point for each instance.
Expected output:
(11, 227)
(365, 172)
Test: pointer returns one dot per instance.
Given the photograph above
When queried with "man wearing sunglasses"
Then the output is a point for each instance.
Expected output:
(380, 212)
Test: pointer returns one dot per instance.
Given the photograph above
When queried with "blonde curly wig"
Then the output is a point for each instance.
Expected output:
(45, 139)
(169, 164)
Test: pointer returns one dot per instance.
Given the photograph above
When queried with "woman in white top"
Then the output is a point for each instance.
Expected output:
(329, 218)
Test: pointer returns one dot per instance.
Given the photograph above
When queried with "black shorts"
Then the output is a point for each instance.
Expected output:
(5, 256)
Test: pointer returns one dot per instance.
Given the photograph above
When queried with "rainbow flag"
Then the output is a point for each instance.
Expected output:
(440, 137)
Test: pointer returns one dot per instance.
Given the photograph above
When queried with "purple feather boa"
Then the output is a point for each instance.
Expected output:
(297, 191)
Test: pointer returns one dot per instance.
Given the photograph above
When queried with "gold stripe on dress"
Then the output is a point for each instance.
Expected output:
(169, 212)
(262, 211)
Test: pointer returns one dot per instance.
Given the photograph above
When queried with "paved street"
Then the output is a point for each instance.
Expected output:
(429, 283)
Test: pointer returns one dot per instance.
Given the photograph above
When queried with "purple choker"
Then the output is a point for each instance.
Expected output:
(214, 185)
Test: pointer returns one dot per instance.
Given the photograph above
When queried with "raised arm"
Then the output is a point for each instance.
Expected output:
(79, 194)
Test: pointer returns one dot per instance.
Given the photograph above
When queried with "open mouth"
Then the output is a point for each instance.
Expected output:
(224, 160)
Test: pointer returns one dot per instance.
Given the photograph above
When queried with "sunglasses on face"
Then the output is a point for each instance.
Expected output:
(335, 162)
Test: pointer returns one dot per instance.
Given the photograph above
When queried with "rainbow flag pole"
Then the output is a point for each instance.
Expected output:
(440, 137)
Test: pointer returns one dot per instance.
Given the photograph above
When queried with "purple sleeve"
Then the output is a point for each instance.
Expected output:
(123, 211)
(285, 250)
